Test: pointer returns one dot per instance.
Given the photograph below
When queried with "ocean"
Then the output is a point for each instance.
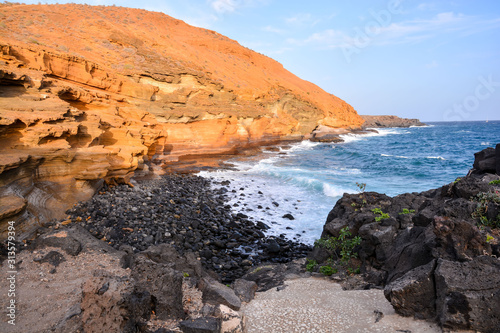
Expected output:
(306, 179)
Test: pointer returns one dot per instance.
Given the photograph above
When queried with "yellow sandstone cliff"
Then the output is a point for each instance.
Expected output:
(93, 93)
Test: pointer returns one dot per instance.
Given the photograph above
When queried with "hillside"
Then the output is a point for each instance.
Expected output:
(92, 92)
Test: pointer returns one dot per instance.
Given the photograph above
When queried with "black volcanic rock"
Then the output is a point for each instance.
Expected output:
(436, 251)
(185, 212)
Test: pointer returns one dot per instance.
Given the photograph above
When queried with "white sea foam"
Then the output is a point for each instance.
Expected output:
(350, 137)
(397, 156)
(436, 157)
(293, 190)
(333, 191)
(303, 145)
(485, 143)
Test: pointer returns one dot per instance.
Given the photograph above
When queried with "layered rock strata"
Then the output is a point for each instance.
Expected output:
(436, 252)
(99, 93)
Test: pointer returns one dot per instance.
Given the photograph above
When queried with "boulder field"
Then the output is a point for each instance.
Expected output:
(93, 93)
(435, 253)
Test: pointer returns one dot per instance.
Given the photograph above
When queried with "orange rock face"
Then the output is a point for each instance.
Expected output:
(96, 93)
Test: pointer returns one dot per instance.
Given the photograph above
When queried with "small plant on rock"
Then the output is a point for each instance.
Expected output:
(489, 238)
(353, 271)
(327, 270)
(495, 182)
(484, 199)
(342, 246)
(361, 187)
(311, 265)
(381, 215)
(407, 211)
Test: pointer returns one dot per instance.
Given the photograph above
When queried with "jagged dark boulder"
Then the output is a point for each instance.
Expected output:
(485, 161)
(413, 294)
(215, 293)
(163, 283)
(468, 294)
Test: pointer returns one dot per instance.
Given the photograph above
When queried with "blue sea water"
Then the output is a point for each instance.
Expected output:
(306, 179)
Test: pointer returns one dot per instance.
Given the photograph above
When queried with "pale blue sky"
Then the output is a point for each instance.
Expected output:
(433, 60)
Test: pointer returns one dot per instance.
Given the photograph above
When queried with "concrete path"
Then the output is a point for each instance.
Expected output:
(314, 305)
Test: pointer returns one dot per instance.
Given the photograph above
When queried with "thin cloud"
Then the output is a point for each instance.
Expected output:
(224, 6)
(410, 31)
(230, 6)
(274, 30)
(302, 19)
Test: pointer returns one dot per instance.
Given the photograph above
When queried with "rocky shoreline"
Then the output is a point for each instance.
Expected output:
(170, 255)
(187, 213)
(149, 258)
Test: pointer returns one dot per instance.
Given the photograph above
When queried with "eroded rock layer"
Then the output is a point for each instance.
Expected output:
(97, 93)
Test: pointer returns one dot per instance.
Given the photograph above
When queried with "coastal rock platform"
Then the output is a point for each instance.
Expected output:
(320, 305)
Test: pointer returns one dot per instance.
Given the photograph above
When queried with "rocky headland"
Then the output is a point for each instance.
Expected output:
(435, 253)
(329, 134)
(389, 121)
(93, 93)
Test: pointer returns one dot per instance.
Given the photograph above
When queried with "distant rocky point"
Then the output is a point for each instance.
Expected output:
(389, 121)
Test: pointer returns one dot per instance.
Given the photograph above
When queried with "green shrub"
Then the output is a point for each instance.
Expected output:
(382, 215)
(327, 270)
(407, 211)
(311, 264)
(495, 182)
(342, 244)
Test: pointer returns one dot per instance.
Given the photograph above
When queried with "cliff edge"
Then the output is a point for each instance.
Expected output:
(93, 93)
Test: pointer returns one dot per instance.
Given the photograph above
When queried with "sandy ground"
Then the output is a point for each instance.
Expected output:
(319, 305)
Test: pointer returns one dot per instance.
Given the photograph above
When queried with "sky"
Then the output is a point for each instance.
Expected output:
(432, 60)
